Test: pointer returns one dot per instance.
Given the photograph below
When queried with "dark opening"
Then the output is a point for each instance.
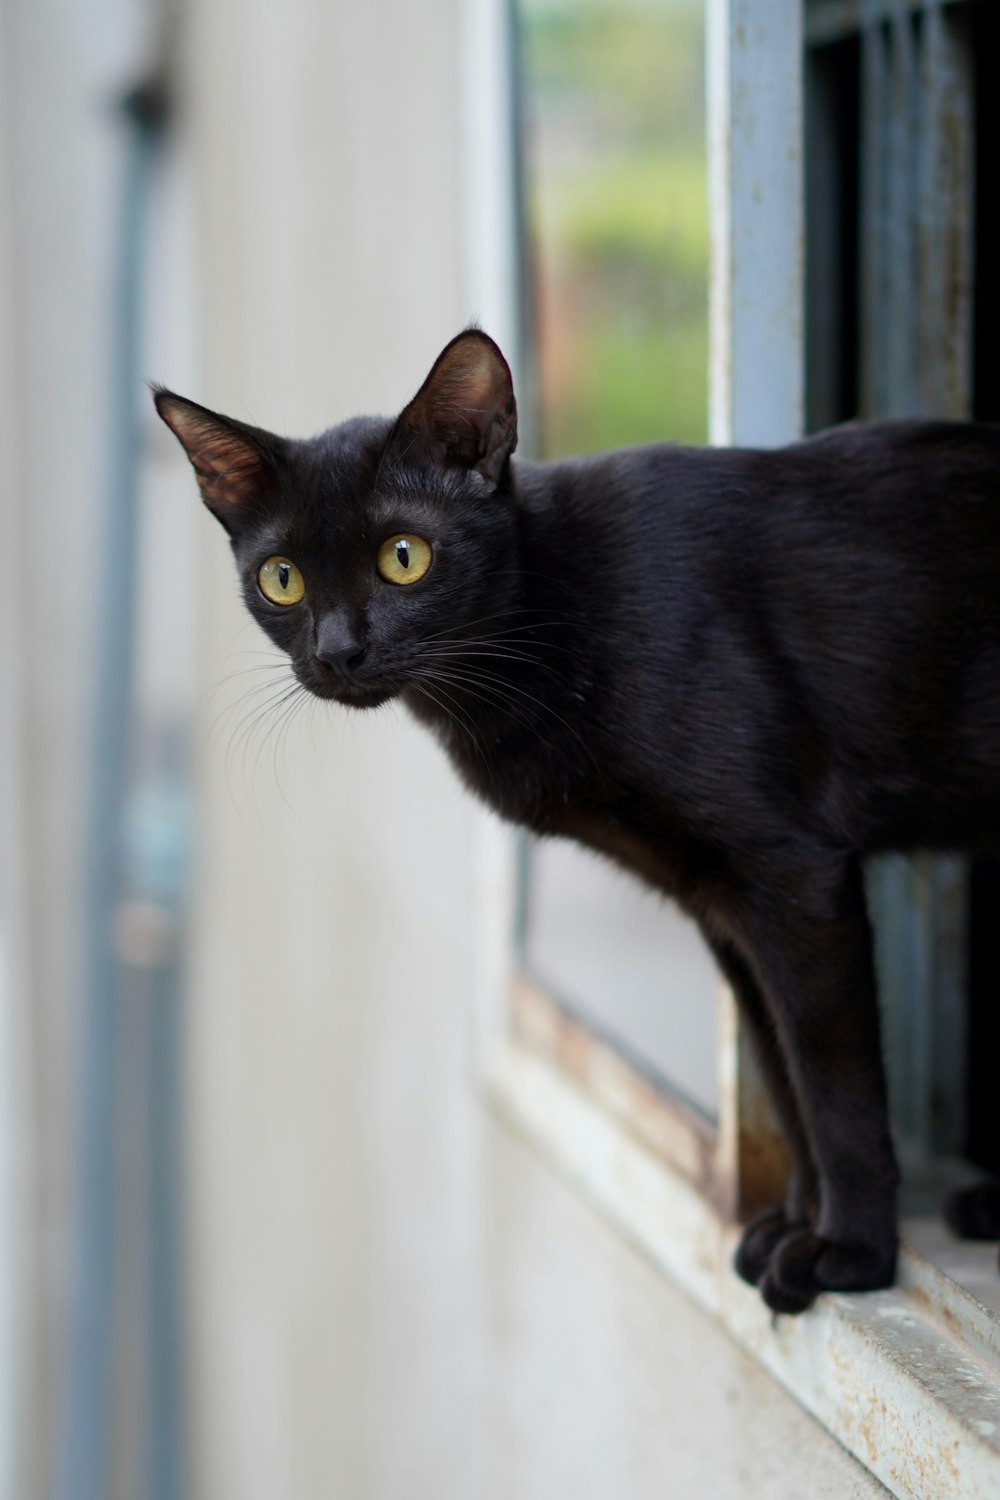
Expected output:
(832, 150)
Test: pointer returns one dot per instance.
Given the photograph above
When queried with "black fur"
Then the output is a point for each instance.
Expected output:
(735, 672)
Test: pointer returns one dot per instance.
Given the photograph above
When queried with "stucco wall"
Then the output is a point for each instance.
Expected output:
(327, 166)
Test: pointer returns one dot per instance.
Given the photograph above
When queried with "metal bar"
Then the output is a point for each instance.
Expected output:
(85, 1462)
(932, 232)
(834, 20)
(897, 324)
(919, 999)
(85, 1458)
(943, 232)
(22, 1419)
(166, 1457)
(915, 340)
(889, 900)
(946, 1101)
(946, 211)
(873, 267)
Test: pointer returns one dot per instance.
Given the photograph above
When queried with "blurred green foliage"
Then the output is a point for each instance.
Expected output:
(618, 216)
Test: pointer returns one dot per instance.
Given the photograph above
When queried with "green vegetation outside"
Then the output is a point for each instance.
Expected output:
(618, 218)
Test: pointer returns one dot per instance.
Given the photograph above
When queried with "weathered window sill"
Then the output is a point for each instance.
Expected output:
(907, 1379)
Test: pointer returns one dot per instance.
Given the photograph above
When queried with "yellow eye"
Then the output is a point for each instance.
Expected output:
(404, 559)
(280, 581)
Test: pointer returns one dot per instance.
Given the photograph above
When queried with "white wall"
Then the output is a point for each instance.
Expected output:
(326, 151)
(308, 264)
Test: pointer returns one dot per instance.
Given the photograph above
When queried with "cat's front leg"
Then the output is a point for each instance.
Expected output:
(810, 946)
(797, 1211)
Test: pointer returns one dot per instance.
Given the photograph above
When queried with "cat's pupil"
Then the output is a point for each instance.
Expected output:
(283, 575)
(403, 554)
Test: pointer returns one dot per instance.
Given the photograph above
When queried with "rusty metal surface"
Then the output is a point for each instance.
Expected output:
(741, 1166)
(945, 214)
(752, 1163)
(833, 20)
(915, 357)
(658, 1117)
(915, 249)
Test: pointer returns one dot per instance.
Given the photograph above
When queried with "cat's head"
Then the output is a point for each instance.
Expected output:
(364, 551)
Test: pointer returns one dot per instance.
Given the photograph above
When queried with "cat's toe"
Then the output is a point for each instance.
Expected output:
(788, 1285)
(804, 1264)
(753, 1253)
(973, 1213)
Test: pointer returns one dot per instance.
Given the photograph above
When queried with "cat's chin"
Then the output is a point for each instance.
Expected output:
(354, 695)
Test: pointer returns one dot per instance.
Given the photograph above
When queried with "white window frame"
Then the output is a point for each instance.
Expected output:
(909, 1378)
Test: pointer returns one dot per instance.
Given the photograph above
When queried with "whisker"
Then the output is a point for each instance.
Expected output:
(488, 694)
(449, 653)
(500, 687)
(279, 730)
(212, 691)
(257, 739)
(253, 720)
(463, 723)
(505, 614)
(245, 702)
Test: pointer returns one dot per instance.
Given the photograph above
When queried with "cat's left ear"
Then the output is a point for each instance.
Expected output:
(464, 415)
(233, 463)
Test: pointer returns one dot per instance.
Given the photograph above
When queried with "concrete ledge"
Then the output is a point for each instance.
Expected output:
(907, 1379)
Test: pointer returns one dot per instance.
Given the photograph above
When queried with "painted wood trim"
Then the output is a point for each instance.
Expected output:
(757, 220)
(756, 375)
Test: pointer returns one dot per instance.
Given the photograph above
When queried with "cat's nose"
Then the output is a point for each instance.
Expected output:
(344, 662)
(338, 648)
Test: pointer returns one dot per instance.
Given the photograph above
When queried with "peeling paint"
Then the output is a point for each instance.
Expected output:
(661, 1119)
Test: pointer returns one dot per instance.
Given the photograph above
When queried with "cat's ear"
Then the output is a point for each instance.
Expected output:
(233, 463)
(464, 415)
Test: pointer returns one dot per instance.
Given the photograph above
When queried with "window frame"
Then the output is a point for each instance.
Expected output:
(909, 1378)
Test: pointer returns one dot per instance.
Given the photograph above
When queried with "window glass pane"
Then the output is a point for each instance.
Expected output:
(617, 218)
(617, 210)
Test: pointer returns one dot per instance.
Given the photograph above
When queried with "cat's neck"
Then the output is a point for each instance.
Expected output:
(509, 683)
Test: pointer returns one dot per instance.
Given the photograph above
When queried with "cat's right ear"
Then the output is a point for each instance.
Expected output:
(233, 463)
(464, 415)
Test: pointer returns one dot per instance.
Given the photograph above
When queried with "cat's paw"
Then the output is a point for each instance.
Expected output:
(762, 1234)
(973, 1213)
(804, 1263)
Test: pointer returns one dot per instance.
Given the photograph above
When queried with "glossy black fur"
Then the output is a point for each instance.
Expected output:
(735, 672)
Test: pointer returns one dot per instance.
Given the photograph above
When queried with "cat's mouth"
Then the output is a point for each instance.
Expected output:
(357, 696)
(353, 694)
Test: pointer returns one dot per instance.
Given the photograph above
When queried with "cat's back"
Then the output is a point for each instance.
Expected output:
(904, 511)
(885, 504)
(849, 583)
(882, 559)
(880, 467)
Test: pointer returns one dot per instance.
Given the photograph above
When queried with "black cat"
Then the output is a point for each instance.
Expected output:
(735, 672)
